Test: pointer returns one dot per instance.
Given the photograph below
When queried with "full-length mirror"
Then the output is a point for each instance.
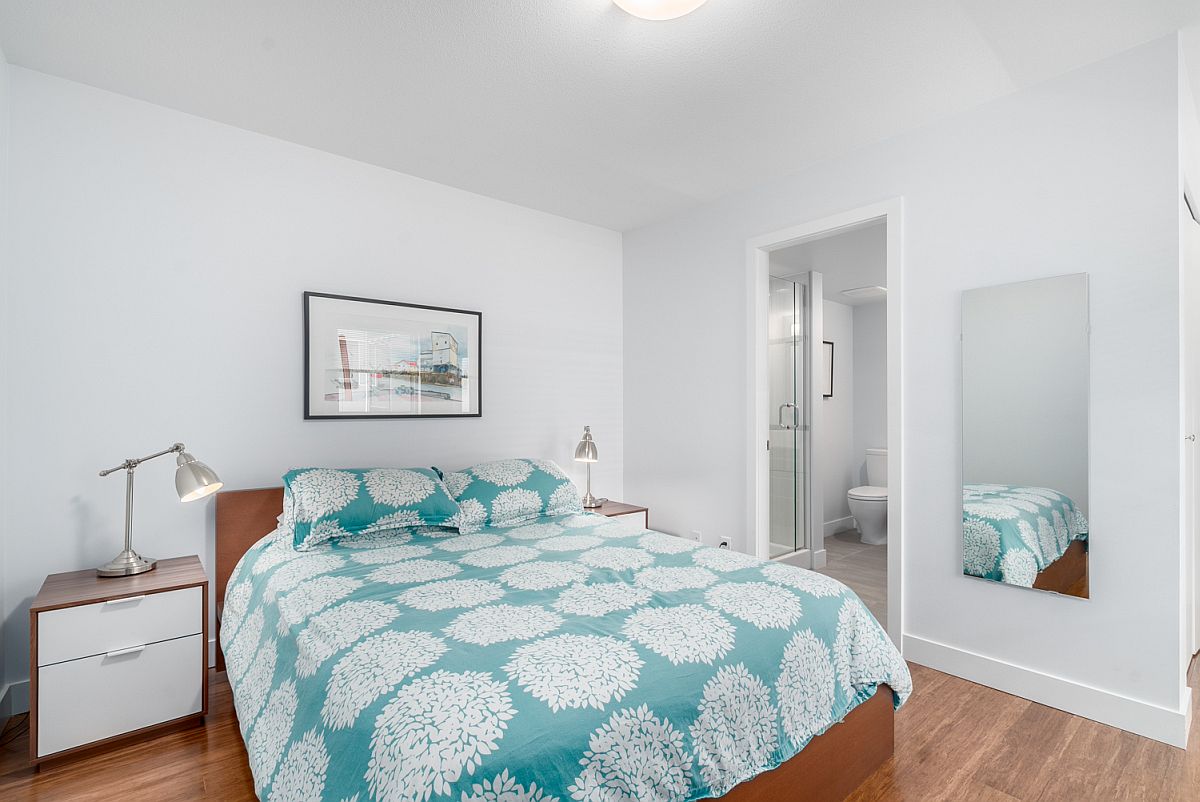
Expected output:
(1025, 434)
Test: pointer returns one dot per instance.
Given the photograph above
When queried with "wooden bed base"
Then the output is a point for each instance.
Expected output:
(827, 770)
(1068, 574)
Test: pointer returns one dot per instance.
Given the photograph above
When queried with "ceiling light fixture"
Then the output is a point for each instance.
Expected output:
(659, 9)
(873, 291)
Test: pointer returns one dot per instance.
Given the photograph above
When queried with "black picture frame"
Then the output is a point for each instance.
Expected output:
(827, 390)
(476, 369)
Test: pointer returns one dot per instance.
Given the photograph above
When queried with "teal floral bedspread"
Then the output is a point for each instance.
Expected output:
(574, 658)
(1011, 532)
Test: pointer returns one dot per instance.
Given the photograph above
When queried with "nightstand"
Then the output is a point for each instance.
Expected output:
(111, 658)
(614, 509)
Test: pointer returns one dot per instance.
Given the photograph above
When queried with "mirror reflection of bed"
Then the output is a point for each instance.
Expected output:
(1042, 542)
(1025, 434)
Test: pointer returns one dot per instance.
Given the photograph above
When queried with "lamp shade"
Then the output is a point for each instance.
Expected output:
(193, 479)
(586, 450)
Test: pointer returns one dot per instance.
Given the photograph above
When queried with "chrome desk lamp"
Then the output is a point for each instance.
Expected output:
(586, 453)
(193, 480)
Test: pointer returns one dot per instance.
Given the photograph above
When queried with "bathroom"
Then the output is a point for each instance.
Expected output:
(829, 408)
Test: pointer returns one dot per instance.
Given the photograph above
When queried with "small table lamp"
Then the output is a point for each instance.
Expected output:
(193, 480)
(586, 453)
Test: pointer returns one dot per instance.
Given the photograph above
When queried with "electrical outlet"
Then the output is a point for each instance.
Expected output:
(696, 536)
(724, 544)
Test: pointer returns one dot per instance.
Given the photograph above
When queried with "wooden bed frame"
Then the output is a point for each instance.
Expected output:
(827, 770)
(1068, 574)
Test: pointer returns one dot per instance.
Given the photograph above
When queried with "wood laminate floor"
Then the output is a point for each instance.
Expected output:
(955, 740)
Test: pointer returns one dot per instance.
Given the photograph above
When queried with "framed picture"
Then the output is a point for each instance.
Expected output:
(827, 392)
(366, 358)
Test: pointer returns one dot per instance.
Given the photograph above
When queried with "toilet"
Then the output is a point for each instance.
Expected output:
(868, 504)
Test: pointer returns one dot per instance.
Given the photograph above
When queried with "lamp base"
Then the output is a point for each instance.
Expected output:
(127, 563)
(590, 502)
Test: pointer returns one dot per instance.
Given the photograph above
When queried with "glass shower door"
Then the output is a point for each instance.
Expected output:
(786, 416)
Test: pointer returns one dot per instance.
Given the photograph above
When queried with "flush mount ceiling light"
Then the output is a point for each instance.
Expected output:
(865, 292)
(659, 9)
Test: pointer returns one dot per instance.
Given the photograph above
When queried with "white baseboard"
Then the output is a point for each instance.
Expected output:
(14, 699)
(839, 525)
(1141, 718)
(212, 652)
(820, 559)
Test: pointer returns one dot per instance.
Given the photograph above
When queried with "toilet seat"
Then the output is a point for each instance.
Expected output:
(868, 493)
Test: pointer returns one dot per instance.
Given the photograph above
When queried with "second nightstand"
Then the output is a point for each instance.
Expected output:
(613, 509)
(115, 657)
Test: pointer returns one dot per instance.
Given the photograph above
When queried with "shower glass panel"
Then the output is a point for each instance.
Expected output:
(788, 434)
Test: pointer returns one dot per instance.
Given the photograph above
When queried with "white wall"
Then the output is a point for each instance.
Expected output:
(846, 260)
(1078, 174)
(6, 623)
(158, 265)
(835, 436)
(1189, 307)
(1025, 385)
(870, 385)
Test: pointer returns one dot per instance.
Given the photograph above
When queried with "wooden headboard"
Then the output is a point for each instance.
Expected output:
(243, 517)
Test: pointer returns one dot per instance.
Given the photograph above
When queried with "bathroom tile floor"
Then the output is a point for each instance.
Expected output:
(862, 567)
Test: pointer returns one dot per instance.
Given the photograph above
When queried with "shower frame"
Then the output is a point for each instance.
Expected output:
(808, 533)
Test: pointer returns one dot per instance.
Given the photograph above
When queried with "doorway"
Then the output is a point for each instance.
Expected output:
(796, 412)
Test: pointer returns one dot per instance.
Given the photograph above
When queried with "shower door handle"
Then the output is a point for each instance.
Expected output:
(795, 411)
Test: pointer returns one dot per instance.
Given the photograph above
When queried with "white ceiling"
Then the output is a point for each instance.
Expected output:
(852, 258)
(573, 106)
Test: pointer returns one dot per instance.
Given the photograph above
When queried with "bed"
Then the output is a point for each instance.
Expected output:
(1035, 537)
(572, 658)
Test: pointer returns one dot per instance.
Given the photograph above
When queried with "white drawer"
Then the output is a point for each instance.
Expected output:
(641, 516)
(92, 629)
(86, 700)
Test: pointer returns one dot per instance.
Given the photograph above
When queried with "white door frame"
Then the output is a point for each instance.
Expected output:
(758, 255)
(1190, 419)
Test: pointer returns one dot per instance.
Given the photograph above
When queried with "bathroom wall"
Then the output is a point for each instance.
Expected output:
(835, 459)
(870, 384)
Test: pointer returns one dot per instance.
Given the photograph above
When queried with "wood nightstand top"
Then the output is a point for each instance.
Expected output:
(611, 508)
(86, 587)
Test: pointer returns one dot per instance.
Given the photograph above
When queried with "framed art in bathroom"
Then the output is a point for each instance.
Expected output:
(827, 353)
(366, 358)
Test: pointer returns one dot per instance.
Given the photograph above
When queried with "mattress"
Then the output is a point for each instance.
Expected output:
(1011, 532)
(573, 658)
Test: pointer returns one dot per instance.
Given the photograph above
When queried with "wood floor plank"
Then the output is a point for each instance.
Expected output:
(1151, 773)
(1032, 743)
(1090, 766)
(954, 741)
(971, 736)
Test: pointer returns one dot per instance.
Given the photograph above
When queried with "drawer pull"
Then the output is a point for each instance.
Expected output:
(130, 650)
(126, 600)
